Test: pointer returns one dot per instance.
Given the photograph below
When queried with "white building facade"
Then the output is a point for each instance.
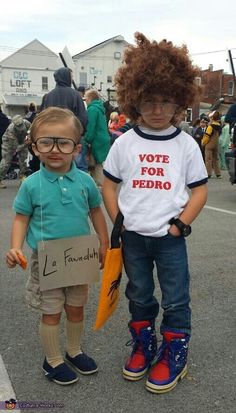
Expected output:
(97, 66)
(26, 76)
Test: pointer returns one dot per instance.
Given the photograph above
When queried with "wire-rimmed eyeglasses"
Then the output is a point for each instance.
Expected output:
(148, 107)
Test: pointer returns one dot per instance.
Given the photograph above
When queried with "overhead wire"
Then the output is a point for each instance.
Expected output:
(52, 54)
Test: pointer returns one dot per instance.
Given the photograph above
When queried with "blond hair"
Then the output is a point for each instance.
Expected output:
(92, 94)
(55, 115)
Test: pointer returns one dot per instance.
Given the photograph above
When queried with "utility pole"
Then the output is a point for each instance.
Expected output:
(232, 66)
(65, 64)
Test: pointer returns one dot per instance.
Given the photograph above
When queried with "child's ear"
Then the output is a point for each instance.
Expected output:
(78, 148)
(35, 150)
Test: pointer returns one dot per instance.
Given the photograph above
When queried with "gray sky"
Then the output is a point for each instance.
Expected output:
(204, 26)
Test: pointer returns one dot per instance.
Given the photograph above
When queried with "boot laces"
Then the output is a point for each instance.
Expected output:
(135, 343)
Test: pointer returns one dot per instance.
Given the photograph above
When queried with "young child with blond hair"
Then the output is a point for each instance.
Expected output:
(63, 197)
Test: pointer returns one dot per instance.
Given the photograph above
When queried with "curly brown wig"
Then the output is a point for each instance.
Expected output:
(152, 68)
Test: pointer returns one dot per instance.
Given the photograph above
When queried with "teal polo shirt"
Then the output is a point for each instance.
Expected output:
(58, 204)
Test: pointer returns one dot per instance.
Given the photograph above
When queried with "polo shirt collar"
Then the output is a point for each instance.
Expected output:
(53, 176)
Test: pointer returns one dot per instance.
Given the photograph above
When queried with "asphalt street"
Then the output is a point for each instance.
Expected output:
(210, 383)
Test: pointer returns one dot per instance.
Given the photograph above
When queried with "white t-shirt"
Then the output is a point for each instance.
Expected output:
(154, 169)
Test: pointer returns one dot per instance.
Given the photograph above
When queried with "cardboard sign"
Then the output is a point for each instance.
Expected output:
(68, 261)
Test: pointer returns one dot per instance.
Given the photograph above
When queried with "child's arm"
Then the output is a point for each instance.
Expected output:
(100, 227)
(19, 228)
(110, 198)
(193, 207)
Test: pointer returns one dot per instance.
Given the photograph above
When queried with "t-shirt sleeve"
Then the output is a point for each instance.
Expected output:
(196, 173)
(23, 203)
(111, 168)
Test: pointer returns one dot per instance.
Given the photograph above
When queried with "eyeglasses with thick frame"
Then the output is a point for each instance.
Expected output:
(148, 107)
(47, 143)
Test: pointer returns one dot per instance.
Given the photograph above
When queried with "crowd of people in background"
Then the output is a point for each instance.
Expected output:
(102, 125)
(213, 135)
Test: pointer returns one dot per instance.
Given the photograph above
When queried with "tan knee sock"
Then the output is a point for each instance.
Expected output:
(49, 336)
(74, 331)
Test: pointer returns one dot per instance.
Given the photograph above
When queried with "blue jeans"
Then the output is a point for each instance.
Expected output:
(170, 256)
(81, 159)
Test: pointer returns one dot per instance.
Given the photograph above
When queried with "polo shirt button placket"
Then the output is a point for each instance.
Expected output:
(64, 195)
(65, 192)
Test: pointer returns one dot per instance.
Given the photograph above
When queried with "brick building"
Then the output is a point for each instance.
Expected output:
(217, 84)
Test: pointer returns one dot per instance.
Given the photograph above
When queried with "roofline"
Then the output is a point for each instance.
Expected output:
(2, 61)
(98, 45)
(212, 71)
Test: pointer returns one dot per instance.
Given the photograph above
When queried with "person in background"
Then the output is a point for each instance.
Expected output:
(127, 126)
(230, 116)
(81, 159)
(108, 109)
(34, 162)
(97, 135)
(183, 125)
(31, 113)
(196, 124)
(212, 132)
(64, 198)
(4, 123)
(122, 120)
(64, 96)
(155, 176)
(81, 90)
(224, 142)
(113, 123)
(13, 141)
(198, 134)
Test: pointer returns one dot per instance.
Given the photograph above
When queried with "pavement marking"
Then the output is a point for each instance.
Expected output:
(225, 211)
(6, 389)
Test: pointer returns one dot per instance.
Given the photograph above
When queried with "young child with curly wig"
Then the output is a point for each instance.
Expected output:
(155, 164)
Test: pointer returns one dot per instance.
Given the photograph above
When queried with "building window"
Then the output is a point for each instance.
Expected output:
(117, 55)
(109, 79)
(44, 83)
(189, 115)
(198, 81)
(230, 88)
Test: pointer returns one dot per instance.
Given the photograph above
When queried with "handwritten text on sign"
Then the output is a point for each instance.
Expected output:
(68, 261)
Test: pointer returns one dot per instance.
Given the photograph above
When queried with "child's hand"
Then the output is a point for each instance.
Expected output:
(14, 257)
(174, 231)
(102, 254)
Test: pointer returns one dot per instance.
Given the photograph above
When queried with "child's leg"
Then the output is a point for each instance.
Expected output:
(143, 306)
(173, 274)
(74, 329)
(174, 280)
(76, 298)
(51, 304)
(49, 334)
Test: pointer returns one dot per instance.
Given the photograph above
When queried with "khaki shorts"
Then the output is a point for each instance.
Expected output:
(52, 301)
